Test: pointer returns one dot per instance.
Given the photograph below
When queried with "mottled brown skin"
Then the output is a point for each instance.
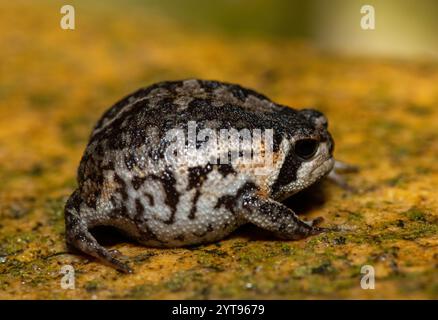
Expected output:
(124, 182)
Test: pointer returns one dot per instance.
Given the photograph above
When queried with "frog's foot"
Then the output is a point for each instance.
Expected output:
(315, 226)
(342, 167)
(79, 237)
(315, 222)
(115, 253)
(275, 217)
(336, 177)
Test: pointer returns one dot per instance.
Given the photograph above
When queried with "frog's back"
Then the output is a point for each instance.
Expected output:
(172, 104)
(160, 101)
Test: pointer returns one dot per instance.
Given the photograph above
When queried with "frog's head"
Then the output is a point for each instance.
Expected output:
(307, 154)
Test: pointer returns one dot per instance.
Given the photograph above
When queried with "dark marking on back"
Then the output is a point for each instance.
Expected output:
(130, 161)
(118, 212)
(137, 182)
(150, 199)
(122, 186)
(226, 169)
(197, 176)
(238, 92)
(141, 223)
(108, 166)
(139, 208)
(194, 204)
(168, 182)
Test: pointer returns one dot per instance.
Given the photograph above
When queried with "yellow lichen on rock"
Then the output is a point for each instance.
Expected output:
(54, 84)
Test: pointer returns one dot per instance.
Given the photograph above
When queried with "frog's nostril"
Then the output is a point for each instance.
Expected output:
(306, 148)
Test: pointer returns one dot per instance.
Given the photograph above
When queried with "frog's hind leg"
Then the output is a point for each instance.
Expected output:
(78, 235)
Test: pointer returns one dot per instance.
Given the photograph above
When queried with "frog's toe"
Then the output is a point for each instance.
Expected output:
(340, 181)
(316, 222)
(343, 167)
(115, 253)
(318, 230)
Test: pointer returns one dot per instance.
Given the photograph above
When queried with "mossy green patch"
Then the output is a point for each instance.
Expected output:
(382, 115)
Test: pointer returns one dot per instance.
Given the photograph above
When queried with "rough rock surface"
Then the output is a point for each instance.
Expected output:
(383, 113)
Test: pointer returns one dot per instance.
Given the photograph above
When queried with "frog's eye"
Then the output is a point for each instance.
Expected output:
(306, 148)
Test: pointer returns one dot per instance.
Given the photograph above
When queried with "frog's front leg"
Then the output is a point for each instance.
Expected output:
(274, 216)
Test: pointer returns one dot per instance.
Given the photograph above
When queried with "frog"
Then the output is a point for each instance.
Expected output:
(128, 180)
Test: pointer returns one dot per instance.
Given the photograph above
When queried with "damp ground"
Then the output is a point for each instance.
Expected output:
(383, 114)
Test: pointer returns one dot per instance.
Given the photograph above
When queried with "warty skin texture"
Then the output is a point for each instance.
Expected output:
(124, 180)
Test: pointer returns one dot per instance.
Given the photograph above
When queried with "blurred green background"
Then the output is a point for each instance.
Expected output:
(382, 106)
(403, 27)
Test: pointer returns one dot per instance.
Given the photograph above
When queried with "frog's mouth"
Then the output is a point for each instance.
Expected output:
(306, 178)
